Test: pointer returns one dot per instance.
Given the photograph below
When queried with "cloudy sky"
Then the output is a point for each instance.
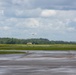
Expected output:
(51, 19)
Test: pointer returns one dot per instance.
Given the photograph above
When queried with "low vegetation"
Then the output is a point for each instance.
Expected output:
(11, 52)
(38, 47)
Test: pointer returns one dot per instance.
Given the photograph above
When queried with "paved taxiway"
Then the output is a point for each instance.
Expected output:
(39, 63)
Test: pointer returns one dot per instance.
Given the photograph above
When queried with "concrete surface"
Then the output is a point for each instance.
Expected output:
(39, 63)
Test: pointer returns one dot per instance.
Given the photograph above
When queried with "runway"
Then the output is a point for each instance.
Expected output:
(39, 63)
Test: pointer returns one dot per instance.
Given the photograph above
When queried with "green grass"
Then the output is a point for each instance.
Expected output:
(37, 47)
(11, 52)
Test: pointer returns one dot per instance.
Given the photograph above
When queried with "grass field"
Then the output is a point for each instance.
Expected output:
(11, 52)
(37, 47)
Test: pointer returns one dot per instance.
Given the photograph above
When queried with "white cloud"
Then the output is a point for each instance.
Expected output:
(39, 22)
(71, 29)
(4, 28)
(74, 19)
(23, 13)
(56, 26)
(30, 23)
(33, 23)
(11, 20)
(22, 3)
(48, 13)
(19, 12)
(1, 12)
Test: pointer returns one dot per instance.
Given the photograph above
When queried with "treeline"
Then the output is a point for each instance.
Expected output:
(31, 41)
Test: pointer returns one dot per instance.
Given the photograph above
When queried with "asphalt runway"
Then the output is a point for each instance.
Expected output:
(39, 63)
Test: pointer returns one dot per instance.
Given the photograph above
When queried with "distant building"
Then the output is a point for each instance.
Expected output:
(29, 43)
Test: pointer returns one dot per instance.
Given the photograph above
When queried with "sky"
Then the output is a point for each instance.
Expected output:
(51, 19)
